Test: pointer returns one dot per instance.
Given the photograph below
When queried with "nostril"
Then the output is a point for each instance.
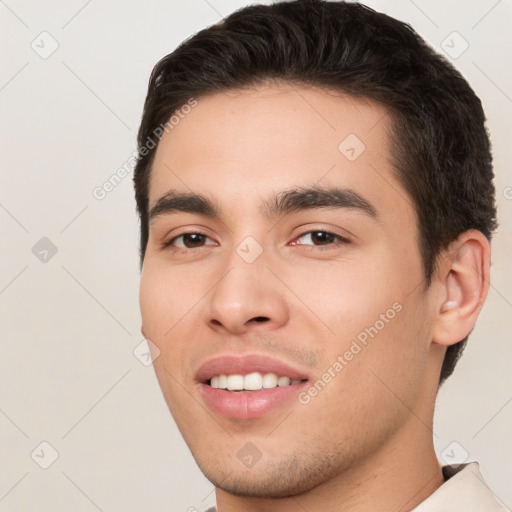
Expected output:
(260, 318)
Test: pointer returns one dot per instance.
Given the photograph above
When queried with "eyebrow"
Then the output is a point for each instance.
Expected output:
(174, 201)
(285, 202)
(306, 198)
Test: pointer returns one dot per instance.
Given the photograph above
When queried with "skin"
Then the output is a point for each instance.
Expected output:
(365, 441)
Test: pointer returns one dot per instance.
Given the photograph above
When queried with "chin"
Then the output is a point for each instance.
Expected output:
(279, 479)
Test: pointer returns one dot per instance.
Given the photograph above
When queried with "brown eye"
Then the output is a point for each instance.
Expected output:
(319, 238)
(189, 241)
(322, 237)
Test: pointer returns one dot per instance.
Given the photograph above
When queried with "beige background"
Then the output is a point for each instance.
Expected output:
(70, 324)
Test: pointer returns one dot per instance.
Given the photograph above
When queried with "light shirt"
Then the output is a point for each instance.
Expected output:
(463, 491)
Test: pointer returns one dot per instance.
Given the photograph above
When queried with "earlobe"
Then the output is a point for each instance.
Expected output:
(464, 276)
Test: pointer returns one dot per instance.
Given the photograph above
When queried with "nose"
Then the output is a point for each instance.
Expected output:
(247, 297)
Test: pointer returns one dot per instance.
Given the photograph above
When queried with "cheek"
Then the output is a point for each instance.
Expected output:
(350, 294)
(164, 301)
(166, 296)
(374, 310)
(389, 355)
(170, 303)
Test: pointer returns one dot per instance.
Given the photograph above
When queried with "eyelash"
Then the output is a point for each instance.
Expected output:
(341, 240)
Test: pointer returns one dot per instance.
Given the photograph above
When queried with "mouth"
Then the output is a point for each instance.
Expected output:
(248, 387)
(254, 381)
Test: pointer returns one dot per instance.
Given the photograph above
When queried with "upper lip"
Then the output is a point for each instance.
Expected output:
(244, 364)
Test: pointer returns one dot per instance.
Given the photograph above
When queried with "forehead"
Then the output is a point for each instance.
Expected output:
(247, 143)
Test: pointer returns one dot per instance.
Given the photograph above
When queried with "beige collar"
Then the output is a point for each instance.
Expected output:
(465, 490)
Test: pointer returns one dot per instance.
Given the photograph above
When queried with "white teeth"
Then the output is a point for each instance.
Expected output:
(235, 382)
(283, 381)
(269, 380)
(251, 382)
(223, 381)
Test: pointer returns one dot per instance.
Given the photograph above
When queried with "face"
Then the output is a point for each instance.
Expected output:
(282, 248)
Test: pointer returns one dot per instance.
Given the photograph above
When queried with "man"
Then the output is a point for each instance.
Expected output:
(316, 202)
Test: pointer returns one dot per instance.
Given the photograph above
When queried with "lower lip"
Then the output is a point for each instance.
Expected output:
(251, 404)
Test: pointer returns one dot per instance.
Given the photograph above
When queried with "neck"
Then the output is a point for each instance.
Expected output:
(402, 474)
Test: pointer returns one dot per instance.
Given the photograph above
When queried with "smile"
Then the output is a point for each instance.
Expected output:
(248, 387)
(251, 382)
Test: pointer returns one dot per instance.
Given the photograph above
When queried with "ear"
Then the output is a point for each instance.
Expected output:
(463, 273)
